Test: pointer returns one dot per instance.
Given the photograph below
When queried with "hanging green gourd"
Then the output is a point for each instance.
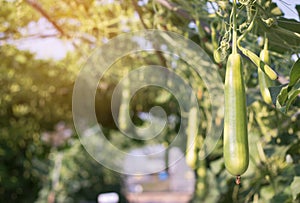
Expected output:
(194, 157)
(192, 131)
(263, 80)
(236, 152)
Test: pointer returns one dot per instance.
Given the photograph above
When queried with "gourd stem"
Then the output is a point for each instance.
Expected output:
(247, 30)
(266, 42)
(234, 32)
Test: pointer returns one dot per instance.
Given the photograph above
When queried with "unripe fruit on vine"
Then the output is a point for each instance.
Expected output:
(236, 152)
(263, 80)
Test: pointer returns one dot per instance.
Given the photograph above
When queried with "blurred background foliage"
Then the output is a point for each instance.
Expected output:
(41, 159)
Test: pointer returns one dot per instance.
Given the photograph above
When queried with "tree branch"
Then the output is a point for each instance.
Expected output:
(174, 7)
(186, 15)
(139, 12)
(40, 36)
(34, 4)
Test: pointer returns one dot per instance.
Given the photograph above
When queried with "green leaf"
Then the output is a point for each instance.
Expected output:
(283, 35)
(295, 186)
(289, 24)
(285, 98)
(292, 96)
(294, 74)
(287, 93)
(282, 99)
(280, 198)
(274, 91)
(298, 9)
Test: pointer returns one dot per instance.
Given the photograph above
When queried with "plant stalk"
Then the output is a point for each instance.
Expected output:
(234, 32)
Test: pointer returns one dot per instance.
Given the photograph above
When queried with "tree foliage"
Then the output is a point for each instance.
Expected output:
(36, 95)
